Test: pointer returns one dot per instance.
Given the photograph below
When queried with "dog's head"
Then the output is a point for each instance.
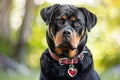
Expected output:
(67, 28)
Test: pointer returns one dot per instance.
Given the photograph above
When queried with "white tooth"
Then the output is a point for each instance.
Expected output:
(68, 38)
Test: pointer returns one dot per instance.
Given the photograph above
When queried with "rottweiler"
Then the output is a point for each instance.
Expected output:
(67, 57)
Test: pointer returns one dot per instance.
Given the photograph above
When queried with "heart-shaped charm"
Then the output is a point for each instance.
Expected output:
(72, 71)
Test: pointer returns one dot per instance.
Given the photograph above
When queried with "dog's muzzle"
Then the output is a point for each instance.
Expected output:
(67, 34)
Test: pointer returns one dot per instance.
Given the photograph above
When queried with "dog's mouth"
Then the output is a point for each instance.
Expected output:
(67, 49)
(65, 45)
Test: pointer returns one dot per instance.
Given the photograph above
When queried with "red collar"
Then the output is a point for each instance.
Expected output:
(63, 61)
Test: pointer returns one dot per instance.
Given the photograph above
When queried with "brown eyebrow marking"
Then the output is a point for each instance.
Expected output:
(64, 17)
(73, 19)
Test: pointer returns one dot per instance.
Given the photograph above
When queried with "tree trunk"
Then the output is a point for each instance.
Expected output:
(20, 51)
(5, 10)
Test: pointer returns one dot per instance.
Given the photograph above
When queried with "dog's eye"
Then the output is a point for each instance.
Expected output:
(77, 23)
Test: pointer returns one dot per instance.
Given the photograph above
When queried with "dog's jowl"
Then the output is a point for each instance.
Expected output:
(67, 57)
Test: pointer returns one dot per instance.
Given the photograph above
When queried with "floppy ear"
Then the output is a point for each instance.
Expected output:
(46, 13)
(90, 18)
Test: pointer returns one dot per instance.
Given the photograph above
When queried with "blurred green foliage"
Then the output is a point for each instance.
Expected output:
(4, 47)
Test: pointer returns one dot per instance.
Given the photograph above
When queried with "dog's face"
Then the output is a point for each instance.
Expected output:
(67, 27)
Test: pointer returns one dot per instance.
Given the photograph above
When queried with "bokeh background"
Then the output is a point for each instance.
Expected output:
(22, 37)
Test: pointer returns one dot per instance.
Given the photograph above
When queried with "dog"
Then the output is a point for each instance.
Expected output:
(67, 57)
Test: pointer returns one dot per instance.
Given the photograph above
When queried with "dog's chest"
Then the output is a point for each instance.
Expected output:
(54, 69)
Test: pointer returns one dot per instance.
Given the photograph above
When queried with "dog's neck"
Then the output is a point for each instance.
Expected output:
(82, 44)
(66, 60)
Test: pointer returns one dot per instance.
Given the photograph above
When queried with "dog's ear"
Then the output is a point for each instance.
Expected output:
(90, 18)
(46, 13)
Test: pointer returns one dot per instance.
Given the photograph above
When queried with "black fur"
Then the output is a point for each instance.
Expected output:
(50, 68)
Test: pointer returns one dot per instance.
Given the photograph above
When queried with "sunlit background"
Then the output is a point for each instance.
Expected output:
(22, 37)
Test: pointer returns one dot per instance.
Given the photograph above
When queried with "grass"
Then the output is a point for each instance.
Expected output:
(111, 74)
(18, 76)
(10, 75)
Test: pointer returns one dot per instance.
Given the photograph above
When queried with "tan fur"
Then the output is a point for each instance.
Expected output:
(64, 17)
(73, 19)
(72, 53)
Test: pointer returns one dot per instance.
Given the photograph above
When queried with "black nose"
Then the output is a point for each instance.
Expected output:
(67, 33)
